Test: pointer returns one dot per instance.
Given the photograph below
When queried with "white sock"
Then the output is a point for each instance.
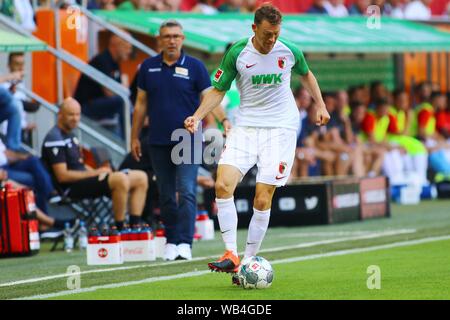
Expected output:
(256, 231)
(227, 216)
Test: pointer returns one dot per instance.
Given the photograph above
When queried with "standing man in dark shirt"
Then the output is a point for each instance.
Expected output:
(96, 101)
(169, 89)
(61, 153)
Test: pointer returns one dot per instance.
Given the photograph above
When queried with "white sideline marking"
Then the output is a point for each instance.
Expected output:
(199, 273)
(333, 233)
(301, 245)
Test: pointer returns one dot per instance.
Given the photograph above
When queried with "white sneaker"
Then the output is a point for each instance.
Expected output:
(170, 252)
(184, 252)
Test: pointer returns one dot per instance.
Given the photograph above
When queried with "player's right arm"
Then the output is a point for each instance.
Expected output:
(221, 84)
(210, 101)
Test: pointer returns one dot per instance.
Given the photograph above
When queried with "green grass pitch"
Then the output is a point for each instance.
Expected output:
(325, 262)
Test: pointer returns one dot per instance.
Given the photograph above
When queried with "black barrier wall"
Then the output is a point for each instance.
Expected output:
(316, 201)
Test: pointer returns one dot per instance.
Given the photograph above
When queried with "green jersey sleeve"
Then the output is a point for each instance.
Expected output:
(300, 67)
(227, 71)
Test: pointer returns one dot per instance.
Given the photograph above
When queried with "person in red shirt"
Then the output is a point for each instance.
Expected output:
(373, 155)
(375, 127)
(440, 104)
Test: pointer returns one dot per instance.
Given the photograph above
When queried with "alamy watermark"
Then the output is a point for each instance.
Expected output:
(373, 17)
(73, 18)
(374, 279)
(73, 277)
(206, 147)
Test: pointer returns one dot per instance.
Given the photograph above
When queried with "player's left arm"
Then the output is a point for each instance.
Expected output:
(309, 81)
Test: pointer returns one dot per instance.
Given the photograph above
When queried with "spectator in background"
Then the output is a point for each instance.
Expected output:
(16, 63)
(29, 171)
(338, 135)
(418, 10)
(62, 155)
(97, 102)
(317, 7)
(416, 155)
(404, 113)
(381, 4)
(9, 110)
(336, 8)
(167, 5)
(377, 92)
(359, 7)
(313, 152)
(360, 93)
(21, 11)
(342, 102)
(422, 94)
(205, 7)
(231, 6)
(101, 5)
(303, 100)
(249, 5)
(439, 102)
(376, 126)
(343, 133)
(132, 5)
(443, 115)
(146, 5)
(395, 9)
(438, 147)
(354, 94)
(373, 155)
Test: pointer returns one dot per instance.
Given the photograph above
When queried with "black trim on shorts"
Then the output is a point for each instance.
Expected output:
(88, 188)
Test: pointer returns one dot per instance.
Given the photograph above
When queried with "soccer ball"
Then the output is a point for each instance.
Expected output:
(255, 273)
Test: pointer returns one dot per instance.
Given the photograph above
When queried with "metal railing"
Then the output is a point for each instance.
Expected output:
(117, 31)
(91, 72)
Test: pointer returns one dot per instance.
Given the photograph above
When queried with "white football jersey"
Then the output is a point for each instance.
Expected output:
(263, 81)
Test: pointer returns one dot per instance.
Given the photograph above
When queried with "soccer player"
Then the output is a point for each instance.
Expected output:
(266, 124)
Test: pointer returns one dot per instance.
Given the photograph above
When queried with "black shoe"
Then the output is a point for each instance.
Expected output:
(235, 279)
(227, 263)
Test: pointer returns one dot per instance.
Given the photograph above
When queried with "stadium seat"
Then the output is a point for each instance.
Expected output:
(94, 211)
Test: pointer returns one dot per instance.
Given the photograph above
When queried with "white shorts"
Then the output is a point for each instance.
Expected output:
(271, 149)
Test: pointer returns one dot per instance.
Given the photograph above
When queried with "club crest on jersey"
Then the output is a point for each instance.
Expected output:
(282, 62)
(282, 167)
(218, 75)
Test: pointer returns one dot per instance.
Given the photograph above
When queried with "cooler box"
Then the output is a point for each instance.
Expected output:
(104, 250)
(160, 243)
(204, 226)
(406, 194)
(19, 234)
(139, 247)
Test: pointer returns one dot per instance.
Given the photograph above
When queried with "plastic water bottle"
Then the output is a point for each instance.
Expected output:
(82, 236)
(68, 238)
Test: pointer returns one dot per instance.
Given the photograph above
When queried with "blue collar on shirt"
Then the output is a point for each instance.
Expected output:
(179, 62)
